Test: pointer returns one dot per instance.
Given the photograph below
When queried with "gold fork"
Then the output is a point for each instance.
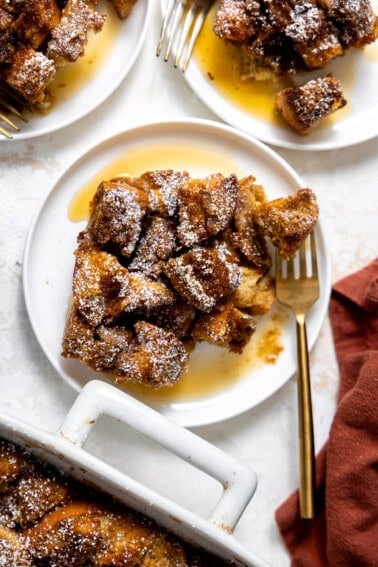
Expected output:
(298, 289)
(10, 105)
(182, 24)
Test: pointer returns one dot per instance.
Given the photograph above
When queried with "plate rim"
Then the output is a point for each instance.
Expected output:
(214, 126)
(22, 135)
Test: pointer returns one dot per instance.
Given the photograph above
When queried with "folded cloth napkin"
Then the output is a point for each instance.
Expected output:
(344, 532)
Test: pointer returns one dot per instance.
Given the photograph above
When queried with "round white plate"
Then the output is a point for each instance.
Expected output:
(112, 70)
(357, 72)
(204, 147)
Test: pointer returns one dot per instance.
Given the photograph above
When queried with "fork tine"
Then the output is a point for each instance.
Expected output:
(290, 268)
(164, 27)
(302, 260)
(5, 133)
(189, 17)
(314, 263)
(177, 14)
(8, 121)
(197, 26)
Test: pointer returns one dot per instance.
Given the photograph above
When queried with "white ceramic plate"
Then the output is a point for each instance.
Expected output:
(202, 147)
(358, 73)
(114, 67)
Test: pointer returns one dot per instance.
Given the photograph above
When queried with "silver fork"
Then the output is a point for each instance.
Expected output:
(10, 106)
(298, 289)
(182, 24)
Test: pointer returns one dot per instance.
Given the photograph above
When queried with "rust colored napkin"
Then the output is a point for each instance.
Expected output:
(344, 532)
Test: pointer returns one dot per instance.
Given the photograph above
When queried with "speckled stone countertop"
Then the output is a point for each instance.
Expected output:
(264, 438)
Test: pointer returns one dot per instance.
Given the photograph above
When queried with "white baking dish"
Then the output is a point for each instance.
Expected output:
(65, 449)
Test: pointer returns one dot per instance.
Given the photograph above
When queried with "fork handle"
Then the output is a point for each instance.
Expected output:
(306, 429)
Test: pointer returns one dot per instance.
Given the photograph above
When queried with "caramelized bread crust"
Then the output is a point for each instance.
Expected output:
(305, 107)
(39, 36)
(87, 530)
(168, 260)
(288, 36)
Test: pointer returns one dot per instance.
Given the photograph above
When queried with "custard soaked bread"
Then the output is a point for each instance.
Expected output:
(287, 36)
(168, 260)
(39, 36)
(85, 529)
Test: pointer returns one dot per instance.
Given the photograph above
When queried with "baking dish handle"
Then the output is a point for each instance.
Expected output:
(99, 398)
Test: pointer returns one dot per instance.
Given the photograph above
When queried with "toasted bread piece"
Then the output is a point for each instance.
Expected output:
(123, 7)
(206, 207)
(158, 243)
(70, 535)
(238, 20)
(97, 347)
(36, 491)
(158, 358)
(160, 186)
(245, 236)
(13, 549)
(355, 20)
(117, 211)
(288, 221)
(203, 276)
(103, 289)
(254, 294)
(228, 327)
(11, 463)
(303, 108)
(36, 21)
(69, 37)
(29, 74)
(314, 36)
(178, 318)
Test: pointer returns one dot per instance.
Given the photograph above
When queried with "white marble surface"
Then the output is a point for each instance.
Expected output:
(264, 438)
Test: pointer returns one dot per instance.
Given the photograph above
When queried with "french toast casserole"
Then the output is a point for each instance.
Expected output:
(168, 260)
(47, 519)
(286, 37)
(37, 37)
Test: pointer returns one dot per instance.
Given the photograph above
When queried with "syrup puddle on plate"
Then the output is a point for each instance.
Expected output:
(211, 369)
(74, 76)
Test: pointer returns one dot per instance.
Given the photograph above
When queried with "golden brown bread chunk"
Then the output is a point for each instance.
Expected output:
(303, 108)
(286, 37)
(36, 21)
(36, 491)
(117, 211)
(203, 276)
(157, 358)
(288, 221)
(160, 186)
(13, 549)
(238, 20)
(30, 73)
(228, 327)
(97, 347)
(103, 289)
(355, 21)
(157, 244)
(69, 37)
(206, 207)
(245, 235)
(11, 461)
(254, 294)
